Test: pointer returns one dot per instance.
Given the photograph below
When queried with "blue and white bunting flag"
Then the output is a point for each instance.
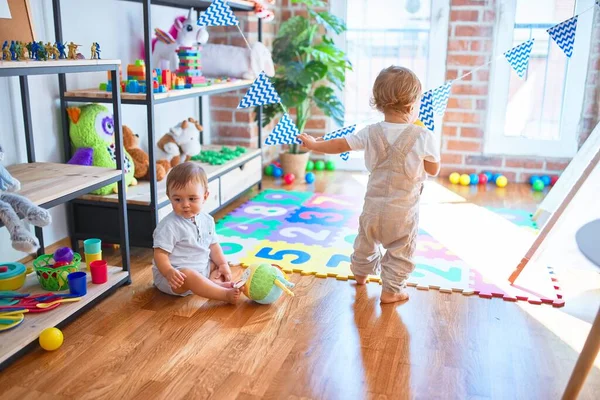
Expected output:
(285, 132)
(440, 98)
(564, 35)
(345, 131)
(261, 92)
(218, 14)
(518, 57)
(426, 110)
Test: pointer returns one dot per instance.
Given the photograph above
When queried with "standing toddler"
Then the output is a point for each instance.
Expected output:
(187, 255)
(398, 155)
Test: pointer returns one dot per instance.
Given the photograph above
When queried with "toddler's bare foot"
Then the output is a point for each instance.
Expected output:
(389, 297)
(360, 280)
(227, 285)
(233, 296)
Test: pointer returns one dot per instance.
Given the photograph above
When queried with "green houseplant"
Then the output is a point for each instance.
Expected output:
(308, 68)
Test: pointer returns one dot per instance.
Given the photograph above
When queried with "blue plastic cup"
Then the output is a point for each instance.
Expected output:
(77, 283)
(92, 246)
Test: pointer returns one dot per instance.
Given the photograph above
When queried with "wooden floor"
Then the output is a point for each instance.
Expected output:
(333, 340)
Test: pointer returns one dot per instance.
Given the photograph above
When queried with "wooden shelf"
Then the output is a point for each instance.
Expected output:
(56, 63)
(14, 340)
(98, 95)
(140, 194)
(48, 184)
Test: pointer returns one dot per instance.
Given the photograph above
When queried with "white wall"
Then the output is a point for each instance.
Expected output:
(118, 27)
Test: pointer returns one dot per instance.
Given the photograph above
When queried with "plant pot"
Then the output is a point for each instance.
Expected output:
(294, 164)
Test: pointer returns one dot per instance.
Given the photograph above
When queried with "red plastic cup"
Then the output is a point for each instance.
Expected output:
(99, 271)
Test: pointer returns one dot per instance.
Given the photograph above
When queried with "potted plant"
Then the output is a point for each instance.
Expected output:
(308, 65)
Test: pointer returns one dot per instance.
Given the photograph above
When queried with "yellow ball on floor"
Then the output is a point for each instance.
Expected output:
(465, 180)
(454, 178)
(501, 181)
(51, 339)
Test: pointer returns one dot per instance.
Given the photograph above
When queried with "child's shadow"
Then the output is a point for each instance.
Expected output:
(384, 344)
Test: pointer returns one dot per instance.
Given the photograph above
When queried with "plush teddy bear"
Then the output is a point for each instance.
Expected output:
(131, 142)
(182, 142)
(11, 204)
(236, 62)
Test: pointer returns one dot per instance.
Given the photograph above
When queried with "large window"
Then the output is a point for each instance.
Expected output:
(412, 33)
(538, 114)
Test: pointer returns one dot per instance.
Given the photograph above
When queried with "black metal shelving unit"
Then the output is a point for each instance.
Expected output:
(97, 216)
(16, 342)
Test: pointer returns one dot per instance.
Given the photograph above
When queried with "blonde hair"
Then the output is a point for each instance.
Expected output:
(187, 172)
(396, 89)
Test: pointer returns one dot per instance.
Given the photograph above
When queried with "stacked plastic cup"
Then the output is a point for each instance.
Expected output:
(93, 251)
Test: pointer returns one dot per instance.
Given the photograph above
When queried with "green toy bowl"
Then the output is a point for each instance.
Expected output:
(54, 279)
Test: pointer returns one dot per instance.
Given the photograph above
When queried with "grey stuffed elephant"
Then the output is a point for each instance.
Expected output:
(11, 204)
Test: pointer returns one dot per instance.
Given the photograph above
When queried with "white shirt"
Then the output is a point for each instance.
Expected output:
(186, 240)
(426, 147)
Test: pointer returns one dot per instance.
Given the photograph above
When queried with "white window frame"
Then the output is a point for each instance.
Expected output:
(436, 73)
(572, 102)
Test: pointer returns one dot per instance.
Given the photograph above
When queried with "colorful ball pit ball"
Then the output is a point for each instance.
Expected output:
(538, 185)
(310, 177)
(454, 178)
(474, 179)
(310, 165)
(330, 165)
(289, 178)
(63, 255)
(320, 165)
(495, 178)
(482, 179)
(546, 179)
(533, 178)
(277, 172)
(489, 176)
(51, 339)
(465, 180)
(553, 180)
(269, 170)
(501, 181)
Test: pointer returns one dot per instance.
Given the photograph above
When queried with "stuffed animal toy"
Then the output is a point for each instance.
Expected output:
(11, 204)
(236, 62)
(184, 32)
(92, 135)
(261, 10)
(141, 162)
(182, 142)
(264, 283)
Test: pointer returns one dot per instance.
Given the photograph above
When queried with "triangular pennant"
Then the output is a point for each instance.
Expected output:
(426, 110)
(261, 92)
(218, 14)
(440, 98)
(564, 35)
(345, 131)
(285, 132)
(518, 57)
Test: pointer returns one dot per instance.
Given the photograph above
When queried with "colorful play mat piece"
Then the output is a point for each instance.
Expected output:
(313, 233)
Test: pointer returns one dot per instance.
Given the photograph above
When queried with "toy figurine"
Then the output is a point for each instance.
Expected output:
(29, 47)
(72, 51)
(51, 50)
(61, 50)
(42, 54)
(5, 51)
(95, 51)
(18, 51)
(24, 50)
(13, 51)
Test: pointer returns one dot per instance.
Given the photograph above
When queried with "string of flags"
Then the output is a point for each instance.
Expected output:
(433, 101)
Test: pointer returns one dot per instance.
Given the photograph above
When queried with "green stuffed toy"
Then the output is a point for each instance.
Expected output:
(264, 283)
(92, 134)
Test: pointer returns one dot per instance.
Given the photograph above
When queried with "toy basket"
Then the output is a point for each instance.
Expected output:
(54, 279)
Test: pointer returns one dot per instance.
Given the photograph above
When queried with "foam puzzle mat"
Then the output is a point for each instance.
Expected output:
(313, 234)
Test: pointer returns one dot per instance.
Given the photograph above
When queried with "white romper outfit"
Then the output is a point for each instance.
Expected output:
(390, 215)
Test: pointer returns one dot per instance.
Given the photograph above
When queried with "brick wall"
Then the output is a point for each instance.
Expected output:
(238, 127)
(470, 44)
